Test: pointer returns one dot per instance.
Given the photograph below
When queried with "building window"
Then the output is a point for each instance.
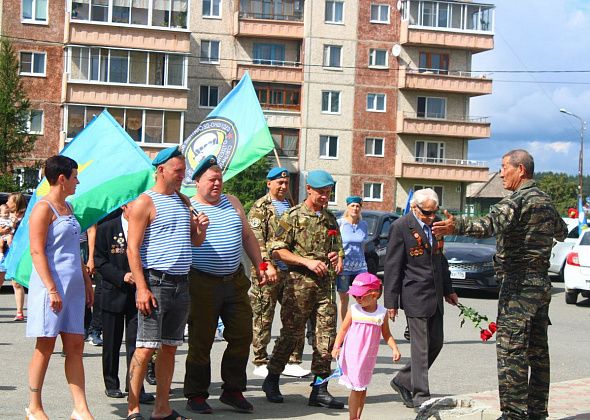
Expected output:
(331, 102)
(34, 11)
(35, 123)
(286, 141)
(328, 147)
(32, 63)
(276, 96)
(212, 8)
(430, 151)
(333, 56)
(379, 13)
(291, 10)
(376, 102)
(373, 191)
(377, 58)
(472, 17)
(122, 11)
(208, 96)
(209, 52)
(432, 107)
(142, 125)
(434, 62)
(333, 195)
(99, 10)
(437, 189)
(334, 12)
(269, 54)
(374, 146)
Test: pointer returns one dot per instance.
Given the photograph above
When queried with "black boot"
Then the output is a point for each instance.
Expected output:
(270, 386)
(320, 397)
(150, 375)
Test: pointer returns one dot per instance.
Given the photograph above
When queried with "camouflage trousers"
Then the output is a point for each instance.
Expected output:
(264, 300)
(521, 344)
(306, 296)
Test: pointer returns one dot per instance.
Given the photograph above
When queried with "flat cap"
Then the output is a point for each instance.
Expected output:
(205, 164)
(276, 173)
(353, 199)
(166, 154)
(319, 179)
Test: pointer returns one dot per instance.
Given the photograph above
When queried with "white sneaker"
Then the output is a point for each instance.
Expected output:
(186, 331)
(261, 371)
(295, 370)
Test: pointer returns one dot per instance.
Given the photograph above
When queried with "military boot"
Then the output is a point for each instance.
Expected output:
(320, 397)
(270, 386)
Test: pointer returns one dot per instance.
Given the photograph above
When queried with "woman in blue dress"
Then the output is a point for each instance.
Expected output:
(58, 288)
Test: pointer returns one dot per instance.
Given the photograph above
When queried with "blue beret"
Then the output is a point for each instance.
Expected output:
(205, 164)
(353, 199)
(166, 154)
(319, 179)
(276, 173)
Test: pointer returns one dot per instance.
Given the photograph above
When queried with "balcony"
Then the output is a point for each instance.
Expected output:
(436, 80)
(441, 169)
(267, 26)
(123, 96)
(435, 37)
(272, 71)
(452, 126)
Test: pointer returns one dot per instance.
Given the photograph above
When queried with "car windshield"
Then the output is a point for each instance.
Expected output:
(470, 240)
(371, 220)
(585, 238)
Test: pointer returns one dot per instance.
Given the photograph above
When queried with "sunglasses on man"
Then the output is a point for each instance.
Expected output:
(427, 212)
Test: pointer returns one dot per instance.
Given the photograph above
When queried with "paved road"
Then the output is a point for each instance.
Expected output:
(465, 366)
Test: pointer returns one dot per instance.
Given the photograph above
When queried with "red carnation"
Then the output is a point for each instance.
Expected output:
(485, 335)
(332, 232)
(493, 327)
(572, 213)
(263, 266)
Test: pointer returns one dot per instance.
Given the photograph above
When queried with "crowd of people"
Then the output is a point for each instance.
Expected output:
(169, 261)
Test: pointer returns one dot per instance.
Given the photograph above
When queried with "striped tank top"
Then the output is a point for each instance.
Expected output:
(167, 240)
(220, 254)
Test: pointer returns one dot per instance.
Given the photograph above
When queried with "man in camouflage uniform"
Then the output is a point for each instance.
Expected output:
(524, 224)
(263, 218)
(314, 258)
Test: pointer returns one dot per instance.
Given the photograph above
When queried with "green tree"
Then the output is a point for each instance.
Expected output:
(562, 189)
(15, 140)
(250, 184)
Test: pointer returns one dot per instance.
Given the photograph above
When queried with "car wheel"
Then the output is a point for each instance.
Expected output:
(571, 296)
(372, 266)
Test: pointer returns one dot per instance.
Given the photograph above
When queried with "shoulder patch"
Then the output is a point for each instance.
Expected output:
(255, 222)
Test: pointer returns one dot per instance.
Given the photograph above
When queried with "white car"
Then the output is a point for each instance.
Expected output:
(576, 275)
(561, 249)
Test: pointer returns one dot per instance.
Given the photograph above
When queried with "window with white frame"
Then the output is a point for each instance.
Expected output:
(472, 17)
(377, 58)
(164, 13)
(333, 56)
(334, 12)
(331, 101)
(208, 96)
(32, 63)
(437, 189)
(374, 146)
(212, 8)
(142, 125)
(328, 147)
(333, 195)
(430, 151)
(379, 13)
(209, 52)
(376, 102)
(35, 123)
(432, 107)
(372, 191)
(34, 11)
(127, 67)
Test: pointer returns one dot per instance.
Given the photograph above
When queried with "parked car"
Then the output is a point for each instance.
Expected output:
(471, 262)
(561, 249)
(375, 245)
(576, 274)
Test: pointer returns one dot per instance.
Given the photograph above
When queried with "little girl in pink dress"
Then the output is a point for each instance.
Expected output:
(361, 333)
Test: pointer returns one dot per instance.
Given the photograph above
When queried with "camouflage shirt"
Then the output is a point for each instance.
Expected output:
(524, 224)
(264, 222)
(304, 232)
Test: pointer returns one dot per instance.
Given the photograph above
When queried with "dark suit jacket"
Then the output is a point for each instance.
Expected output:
(416, 282)
(110, 259)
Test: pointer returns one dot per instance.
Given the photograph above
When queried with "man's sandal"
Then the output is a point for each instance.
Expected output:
(172, 416)
(135, 416)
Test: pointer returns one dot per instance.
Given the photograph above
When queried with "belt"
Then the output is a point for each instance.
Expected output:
(226, 278)
(165, 276)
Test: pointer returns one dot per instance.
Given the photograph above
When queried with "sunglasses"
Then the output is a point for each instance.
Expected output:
(427, 212)
(362, 296)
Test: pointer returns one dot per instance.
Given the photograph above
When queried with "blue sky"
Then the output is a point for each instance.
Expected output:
(533, 35)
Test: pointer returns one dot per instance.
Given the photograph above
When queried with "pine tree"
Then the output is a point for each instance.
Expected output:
(15, 141)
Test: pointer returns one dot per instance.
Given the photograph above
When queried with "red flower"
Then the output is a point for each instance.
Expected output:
(493, 327)
(572, 213)
(263, 266)
(485, 335)
(332, 232)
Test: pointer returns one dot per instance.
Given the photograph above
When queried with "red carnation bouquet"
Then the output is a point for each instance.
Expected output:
(471, 314)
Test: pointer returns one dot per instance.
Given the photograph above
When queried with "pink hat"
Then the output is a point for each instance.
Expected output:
(363, 283)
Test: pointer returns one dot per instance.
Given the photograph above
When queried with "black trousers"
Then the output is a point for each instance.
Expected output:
(113, 325)
(425, 344)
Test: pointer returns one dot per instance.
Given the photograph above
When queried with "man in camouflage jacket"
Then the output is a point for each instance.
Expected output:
(524, 224)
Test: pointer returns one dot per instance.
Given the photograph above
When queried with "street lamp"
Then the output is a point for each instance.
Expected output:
(581, 160)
